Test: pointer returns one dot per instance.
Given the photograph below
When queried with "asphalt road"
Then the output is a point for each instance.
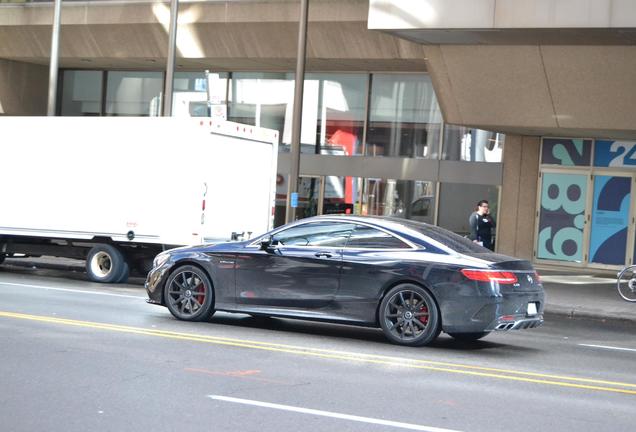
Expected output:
(78, 356)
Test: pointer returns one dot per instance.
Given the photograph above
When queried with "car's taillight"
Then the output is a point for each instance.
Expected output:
(501, 277)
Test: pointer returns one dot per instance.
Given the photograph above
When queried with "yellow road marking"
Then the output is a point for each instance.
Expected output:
(481, 371)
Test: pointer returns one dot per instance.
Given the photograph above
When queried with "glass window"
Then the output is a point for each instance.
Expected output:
(339, 122)
(615, 154)
(134, 93)
(458, 200)
(408, 199)
(566, 152)
(190, 97)
(341, 195)
(262, 99)
(82, 93)
(333, 109)
(404, 117)
(474, 145)
(320, 234)
(371, 238)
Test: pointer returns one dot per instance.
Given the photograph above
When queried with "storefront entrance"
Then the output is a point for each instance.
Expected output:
(586, 211)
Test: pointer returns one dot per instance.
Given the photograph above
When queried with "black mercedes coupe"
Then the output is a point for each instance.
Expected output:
(411, 279)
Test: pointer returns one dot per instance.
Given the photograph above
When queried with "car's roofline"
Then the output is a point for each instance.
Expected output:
(381, 222)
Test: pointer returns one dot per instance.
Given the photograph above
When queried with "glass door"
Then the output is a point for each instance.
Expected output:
(562, 217)
(341, 194)
(310, 196)
(610, 219)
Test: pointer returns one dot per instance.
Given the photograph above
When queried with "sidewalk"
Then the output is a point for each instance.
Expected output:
(585, 296)
(568, 292)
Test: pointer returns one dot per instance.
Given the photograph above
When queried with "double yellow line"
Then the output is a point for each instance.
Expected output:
(456, 368)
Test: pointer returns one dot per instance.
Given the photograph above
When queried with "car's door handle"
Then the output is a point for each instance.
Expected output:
(323, 255)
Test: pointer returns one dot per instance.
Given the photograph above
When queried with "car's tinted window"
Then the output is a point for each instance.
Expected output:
(456, 242)
(320, 234)
(371, 238)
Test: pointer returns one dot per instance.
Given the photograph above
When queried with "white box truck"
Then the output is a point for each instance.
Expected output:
(116, 191)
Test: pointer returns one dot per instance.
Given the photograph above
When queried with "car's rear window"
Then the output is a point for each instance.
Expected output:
(448, 238)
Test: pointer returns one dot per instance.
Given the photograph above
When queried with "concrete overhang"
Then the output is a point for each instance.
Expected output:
(509, 22)
(545, 67)
(247, 35)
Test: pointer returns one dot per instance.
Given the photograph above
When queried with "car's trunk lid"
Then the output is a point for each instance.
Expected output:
(527, 278)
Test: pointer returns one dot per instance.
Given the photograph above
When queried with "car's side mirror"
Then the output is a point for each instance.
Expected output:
(267, 243)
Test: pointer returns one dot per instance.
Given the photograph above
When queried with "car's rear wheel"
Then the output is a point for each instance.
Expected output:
(189, 295)
(409, 316)
(469, 337)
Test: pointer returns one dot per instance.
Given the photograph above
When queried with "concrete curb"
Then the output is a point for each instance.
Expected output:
(581, 313)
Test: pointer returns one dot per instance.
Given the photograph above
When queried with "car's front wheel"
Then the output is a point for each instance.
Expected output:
(189, 295)
(409, 316)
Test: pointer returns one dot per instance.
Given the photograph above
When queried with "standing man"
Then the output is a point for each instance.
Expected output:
(481, 225)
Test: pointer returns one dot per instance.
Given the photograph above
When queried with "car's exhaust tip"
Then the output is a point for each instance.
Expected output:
(521, 324)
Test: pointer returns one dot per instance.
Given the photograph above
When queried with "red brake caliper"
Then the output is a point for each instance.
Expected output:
(424, 318)
(200, 289)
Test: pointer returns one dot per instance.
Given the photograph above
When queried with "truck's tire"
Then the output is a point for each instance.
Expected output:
(106, 264)
(2, 257)
(125, 272)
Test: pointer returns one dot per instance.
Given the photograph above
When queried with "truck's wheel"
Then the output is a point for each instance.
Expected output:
(106, 264)
(125, 272)
(2, 257)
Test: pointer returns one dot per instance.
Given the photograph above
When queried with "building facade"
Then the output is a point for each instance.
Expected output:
(416, 111)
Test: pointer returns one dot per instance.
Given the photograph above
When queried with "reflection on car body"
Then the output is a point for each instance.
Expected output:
(411, 279)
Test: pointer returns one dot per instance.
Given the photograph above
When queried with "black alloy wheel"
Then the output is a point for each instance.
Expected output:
(409, 316)
(188, 294)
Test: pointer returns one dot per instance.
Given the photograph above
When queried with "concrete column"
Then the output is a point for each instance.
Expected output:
(507, 232)
(23, 88)
(527, 206)
(518, 196)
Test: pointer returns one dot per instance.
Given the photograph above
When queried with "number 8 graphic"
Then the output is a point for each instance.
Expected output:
(563, 199)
